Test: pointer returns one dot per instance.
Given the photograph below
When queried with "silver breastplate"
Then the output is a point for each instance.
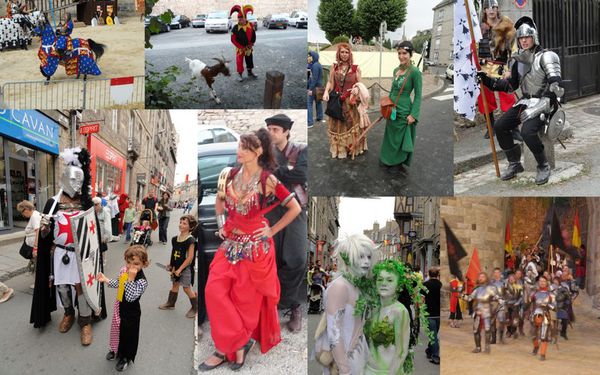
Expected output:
(543, 301)
(533, 78)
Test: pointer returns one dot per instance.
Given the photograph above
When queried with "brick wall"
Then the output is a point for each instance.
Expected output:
(243, 121)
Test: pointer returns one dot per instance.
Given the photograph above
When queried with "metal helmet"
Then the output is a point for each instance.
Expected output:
(490, 4)
(71, 181)
(526, 27)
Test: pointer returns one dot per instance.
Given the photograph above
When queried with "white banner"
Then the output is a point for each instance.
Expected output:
(466, 88)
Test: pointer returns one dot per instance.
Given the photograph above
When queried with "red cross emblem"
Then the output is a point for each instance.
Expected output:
(90, 280)
(66, 227)
(92, 227)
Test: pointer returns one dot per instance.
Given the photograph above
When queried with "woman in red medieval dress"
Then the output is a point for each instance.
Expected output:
(242, 290)
(456, 289)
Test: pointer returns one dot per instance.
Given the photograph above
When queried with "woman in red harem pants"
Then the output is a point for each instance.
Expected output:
(242, 290)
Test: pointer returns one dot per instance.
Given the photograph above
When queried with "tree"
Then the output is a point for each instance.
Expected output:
(335, 18)
(418, 40)
(370, 14)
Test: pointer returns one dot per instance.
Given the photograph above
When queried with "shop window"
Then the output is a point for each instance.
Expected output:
(108, 177)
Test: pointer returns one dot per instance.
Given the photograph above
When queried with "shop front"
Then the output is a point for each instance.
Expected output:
(28, 148)
(108, 168)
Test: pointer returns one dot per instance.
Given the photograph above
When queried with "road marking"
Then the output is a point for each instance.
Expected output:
(443, 97)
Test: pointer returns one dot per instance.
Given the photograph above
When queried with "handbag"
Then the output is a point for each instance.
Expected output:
(319, 91)
(388, 106)
(26, 251)
(334, 104)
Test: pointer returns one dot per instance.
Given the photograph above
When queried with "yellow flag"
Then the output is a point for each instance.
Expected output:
(576, 231)
(122, 280)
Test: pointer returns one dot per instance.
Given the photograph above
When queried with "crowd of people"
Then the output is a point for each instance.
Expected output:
(536, 290)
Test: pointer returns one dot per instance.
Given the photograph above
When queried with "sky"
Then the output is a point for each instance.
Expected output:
(419, 17)
(358, 214)
(186, 123)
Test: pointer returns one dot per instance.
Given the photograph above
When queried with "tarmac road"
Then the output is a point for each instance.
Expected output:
(280, 50)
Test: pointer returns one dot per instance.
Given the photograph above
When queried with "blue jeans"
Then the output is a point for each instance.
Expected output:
(434, 346)
(309, 106)
(127, 227)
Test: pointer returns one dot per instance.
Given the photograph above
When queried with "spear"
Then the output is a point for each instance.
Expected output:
(482, 91)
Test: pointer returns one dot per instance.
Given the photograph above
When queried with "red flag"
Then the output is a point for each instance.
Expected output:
(187, 178)
(473, 271)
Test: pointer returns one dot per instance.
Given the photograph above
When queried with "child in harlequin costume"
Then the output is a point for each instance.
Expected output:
(181, 265)
(243, 38)
(125, 326)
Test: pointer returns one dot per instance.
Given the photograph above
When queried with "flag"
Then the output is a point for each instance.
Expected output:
(556, 238)
(508, 242)
(466, 88)
(455, 252)
(576, 231)
(473, 271)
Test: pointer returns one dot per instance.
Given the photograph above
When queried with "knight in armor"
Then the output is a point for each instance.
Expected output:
(495, 49)
(243, 37)
(543, 302)
(483, 297)
(520, 283)
(537, 72)
(514, 304)
(572, 289)
(499, 320)
(57, 267)
(292, 171)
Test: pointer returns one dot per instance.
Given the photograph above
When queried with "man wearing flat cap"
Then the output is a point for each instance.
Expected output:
(292, 170)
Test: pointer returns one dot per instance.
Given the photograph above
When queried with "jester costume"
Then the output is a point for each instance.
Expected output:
(243, 289)
(243, 38)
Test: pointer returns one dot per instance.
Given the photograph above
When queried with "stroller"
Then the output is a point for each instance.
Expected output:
(142, 233)
(315, 298)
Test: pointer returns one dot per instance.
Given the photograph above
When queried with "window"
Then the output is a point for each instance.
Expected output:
(115, 119)
(440, 14)
(439, 29)
(437, 44)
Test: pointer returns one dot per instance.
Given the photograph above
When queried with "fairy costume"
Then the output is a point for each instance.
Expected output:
(399, 137)
(391, 344)
(243, 290)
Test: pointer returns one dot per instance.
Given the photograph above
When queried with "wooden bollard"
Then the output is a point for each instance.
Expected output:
(273, 89)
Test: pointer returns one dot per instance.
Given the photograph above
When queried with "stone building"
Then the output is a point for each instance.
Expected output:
(481, 223)
(262, 8)
(441, 33)
(323, 226)
(187, 190)
(387, 238)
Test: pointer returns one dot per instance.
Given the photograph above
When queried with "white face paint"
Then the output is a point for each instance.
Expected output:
(363, 265)
(387, 284)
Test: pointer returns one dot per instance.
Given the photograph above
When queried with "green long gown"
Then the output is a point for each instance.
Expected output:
(399, 138)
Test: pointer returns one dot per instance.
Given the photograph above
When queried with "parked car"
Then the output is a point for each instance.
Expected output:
(184, 21)
(274, 21)
(299, 19)
(450, 72)
(217, 21)
(216, 134)
(212, 158)
(175, 24)
(198, 21)
(163, 26)
(251, 18)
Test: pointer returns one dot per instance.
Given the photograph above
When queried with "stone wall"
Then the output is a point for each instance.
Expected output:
(243, 121)
(262, 8)
(476, 223)
(592, 240)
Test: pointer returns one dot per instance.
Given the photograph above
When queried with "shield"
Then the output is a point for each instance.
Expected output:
(87, 248)
(556, 125)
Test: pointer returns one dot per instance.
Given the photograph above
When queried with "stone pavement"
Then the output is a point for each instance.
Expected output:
(11, 263)
(577, 170)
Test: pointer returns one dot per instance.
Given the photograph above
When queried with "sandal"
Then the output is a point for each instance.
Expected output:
(236, 366)
(204, 367)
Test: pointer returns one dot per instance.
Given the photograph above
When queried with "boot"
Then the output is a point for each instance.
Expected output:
(493, 341)
(252, 75)
(66, 324)
(543, 169)
(488, 337)
(86, 335)
(194, 309)
(536, 347)
(240, 78)
(502, 336)
(513, 156)
(170, 304)
(477, 337)
(295, 323)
